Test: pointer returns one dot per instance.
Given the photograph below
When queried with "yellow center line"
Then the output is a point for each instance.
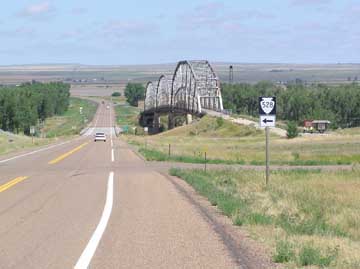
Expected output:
(67, 154)
(11, 183)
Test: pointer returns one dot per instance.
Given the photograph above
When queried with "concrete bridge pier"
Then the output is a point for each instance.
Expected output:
(189, 118)
(156, 122)
(171, 121)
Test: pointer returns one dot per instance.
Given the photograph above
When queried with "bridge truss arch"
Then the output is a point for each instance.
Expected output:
(193, 87)
(163, 94)
(150, 96)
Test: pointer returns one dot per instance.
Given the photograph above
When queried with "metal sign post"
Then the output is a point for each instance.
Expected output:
(267, 156)
(267, 111)
(32, 132)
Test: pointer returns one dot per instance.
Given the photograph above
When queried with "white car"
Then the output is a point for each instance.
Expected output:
(100, 137)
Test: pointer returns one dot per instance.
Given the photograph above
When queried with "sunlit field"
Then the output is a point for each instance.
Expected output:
(222, 140)
(303, 217)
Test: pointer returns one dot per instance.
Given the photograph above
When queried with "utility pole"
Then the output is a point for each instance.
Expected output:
(231, 74)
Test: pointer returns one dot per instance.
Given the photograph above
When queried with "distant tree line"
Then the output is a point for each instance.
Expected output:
(23, 106)
(297, 102)
(134, 92)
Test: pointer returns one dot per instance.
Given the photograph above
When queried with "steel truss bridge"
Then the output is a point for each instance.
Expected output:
(193, 89)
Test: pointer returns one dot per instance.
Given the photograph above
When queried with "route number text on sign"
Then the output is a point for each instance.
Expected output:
(267, 111)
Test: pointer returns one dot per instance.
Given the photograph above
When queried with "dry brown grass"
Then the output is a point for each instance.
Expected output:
(234, 142)
(321, 209)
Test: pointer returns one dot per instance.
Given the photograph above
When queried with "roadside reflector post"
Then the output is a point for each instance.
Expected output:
(169, 152)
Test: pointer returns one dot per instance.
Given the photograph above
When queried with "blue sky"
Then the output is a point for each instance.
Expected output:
(158, 31)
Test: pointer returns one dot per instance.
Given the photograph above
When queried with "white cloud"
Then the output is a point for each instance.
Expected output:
(38, 10)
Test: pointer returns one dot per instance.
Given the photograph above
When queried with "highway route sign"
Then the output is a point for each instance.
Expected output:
(32, 130)
(267, 106)
(267, 111)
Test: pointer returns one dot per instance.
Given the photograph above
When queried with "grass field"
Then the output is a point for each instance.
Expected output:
(10, 142)
(227, 142)
(72, 122)
(303, 217)
(126, 115)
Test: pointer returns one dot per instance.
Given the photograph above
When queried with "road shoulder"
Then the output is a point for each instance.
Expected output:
(245, 251)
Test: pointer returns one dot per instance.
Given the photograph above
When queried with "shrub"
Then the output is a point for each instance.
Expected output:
(115, 94)
(292, 130)
(219, 122)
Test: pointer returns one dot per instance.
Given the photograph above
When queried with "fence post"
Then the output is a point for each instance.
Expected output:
(205, 161)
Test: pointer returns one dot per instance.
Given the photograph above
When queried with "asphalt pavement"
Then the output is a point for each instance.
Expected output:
(84, 204)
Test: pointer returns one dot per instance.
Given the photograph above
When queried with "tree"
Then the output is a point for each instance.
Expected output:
(292, 130)
(115, 94)
(134, 92)
(21, 107)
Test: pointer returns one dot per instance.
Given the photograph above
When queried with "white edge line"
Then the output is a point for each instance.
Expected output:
(36, 151)
(89, 251)
(112, 155)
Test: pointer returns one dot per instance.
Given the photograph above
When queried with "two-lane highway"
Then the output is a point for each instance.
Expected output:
(86, 204)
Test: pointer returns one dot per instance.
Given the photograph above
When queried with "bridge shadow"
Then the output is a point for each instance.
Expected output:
(158, 121)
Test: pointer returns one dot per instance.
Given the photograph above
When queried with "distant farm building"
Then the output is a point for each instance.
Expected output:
(320, 126)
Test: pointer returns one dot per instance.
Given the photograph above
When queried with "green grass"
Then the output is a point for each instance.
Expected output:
(310, 255)
(284, 252)
(10, 143)
(154, 155)
(305, 217)
(234, 143)
(126, 115)
(72, 122)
